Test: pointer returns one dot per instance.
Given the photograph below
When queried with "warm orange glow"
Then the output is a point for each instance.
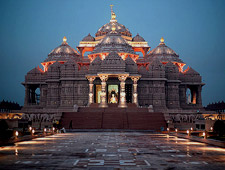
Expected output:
(64, 39)
(180, 66)
(122, 55)
(143, 50)
(85, 49)
(185, 71)
(113, 28)
(17, 133)
(162, 40)
(213, 149)
(47, 64)
(142, 64)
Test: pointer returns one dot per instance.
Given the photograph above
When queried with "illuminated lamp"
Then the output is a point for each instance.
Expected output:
(64, 39)
(211, 128)
(17, 133)
(113, 28)
(191, 129)
(30, 128)
(33, 131)
(188, 132)
(162, 40)
(176, 130)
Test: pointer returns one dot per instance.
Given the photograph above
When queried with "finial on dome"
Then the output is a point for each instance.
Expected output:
(162, 40)
(64, 39)
(113, 15)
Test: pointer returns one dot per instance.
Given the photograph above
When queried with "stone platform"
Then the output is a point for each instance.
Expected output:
(113, 117)
(110, 151)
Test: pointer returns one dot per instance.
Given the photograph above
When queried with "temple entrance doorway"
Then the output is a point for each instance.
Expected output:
(128, 91)
(113, 94)
(98, 89)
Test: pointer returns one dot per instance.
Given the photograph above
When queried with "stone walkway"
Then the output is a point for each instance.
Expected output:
(111, 150)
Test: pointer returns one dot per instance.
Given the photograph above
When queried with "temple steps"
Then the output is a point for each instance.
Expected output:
(113, 117)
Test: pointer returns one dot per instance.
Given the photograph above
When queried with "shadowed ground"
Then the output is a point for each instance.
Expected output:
(110, 150)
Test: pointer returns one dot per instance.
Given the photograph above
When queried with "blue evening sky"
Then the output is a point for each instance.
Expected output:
(30, 29)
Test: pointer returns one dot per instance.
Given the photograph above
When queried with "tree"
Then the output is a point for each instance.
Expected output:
(219, 127)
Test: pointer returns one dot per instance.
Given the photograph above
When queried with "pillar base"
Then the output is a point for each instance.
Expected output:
(122, 105)
(103, 105)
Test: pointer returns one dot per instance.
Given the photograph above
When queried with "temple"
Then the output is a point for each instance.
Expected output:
(114, 70)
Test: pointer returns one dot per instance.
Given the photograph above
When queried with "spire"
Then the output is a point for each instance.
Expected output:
(113, 15)
(111, 9)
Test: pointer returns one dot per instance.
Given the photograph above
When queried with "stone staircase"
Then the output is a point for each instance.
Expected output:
(132, 117)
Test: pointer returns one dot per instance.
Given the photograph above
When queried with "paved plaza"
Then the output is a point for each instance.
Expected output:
(111, 150)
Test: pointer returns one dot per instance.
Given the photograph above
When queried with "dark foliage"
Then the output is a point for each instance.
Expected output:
(6, 106)
(4, 132)
(219, 127)
(218, 106)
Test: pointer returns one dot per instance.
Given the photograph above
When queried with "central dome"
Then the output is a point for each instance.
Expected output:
(105, 29)
(119, 28)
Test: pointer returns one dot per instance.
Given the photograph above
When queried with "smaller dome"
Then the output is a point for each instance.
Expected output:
(138, 38)
(88, 38)
(62, 52)
(162, 49)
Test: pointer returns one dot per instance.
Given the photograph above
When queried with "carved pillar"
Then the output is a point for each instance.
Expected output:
(199, 95)
(135, 94)
(103, 99)
(27, 94)
(91, 94)
(123, 102)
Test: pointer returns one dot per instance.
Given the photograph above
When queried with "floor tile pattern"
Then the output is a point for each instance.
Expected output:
(111, 150)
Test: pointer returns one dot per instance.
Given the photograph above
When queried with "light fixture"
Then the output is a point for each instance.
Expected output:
(17, 133)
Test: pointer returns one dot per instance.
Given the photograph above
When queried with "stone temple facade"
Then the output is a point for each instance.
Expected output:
(114, 73)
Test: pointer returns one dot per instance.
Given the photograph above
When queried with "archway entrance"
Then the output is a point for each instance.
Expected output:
(113, 93)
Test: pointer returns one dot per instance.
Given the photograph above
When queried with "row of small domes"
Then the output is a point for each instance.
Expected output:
(137, 38)
(65, 48)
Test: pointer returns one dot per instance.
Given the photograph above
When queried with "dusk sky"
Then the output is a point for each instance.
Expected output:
(30, 30)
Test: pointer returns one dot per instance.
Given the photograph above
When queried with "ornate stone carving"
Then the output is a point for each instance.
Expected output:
(122, 79)
(91, 94)
(103, 100)
(135, 94)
